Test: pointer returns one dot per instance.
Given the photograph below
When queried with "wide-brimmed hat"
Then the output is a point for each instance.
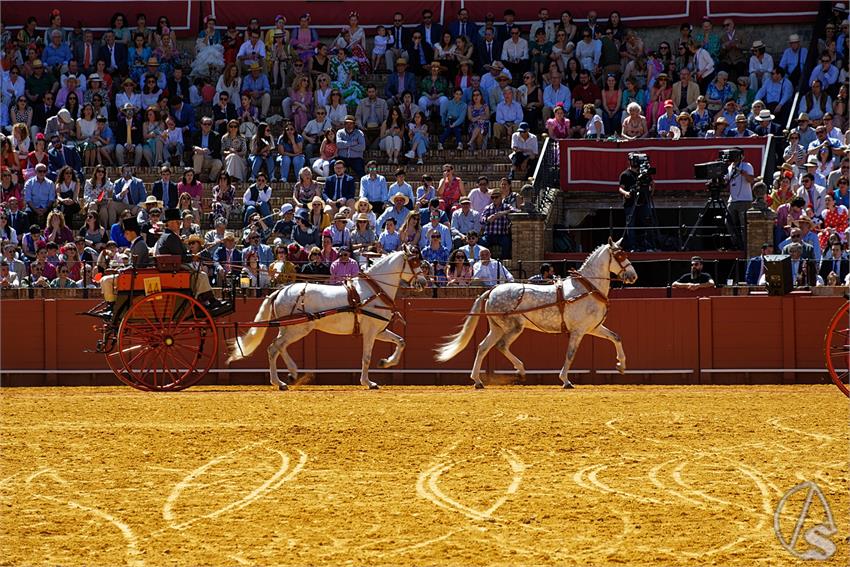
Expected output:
(315, 200)
(740, 118)
(128, 81)
(793, 38)
(803, 220)
(153, 61)
(128, 107)
(286, 208)
(95, 77)
(172, 215)
(765, 114)
(360, 201)
(438, 65)
(152, 200)
(721, 120)
(363, 217)
(400, 195)
(401, 61)
(495, 65)
(37, 64)
(812, 161)
(65, 116)
(255, 67)
(349, 118)
(340, 216)
(758, 44)
(803, 117)
(195, 238)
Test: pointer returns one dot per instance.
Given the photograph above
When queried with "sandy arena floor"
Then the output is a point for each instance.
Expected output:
(507, 476)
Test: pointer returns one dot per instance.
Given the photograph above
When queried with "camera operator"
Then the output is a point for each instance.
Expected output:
(636, 188)
(739, 179)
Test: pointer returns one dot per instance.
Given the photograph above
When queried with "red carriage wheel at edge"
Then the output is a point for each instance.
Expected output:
(166, 342)
(838, 349)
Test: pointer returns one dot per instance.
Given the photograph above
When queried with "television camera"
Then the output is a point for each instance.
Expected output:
(714, 172)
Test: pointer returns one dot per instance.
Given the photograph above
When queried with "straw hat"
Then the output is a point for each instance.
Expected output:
(360, 201)
(400, 195)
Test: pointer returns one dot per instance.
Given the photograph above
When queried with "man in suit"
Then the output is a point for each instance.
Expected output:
(206, 152)
(755, 265)
(432, 32)
(400, 81)
(18, 218)
(401, 37)
(488, 50)
(59, 155)
(114, 53)
(339, 187)
(41, 111)
(836, 263)
(177, 84)
(130, 191)
(419, 54)
(807, 248)
(184, 116)
(165, 190)
(685, 93)
(128, 137)
(228, 258)
(223, 112)
(170, 244)
(463, 26)
(139, 258)
(85, 53)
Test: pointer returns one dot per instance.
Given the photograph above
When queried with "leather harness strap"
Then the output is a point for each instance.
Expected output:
(559, 293)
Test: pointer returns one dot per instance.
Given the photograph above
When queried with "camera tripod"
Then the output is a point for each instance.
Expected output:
(716, 208)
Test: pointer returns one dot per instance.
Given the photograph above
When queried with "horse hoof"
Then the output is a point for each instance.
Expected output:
(621, 368)
(479, 386)
(383, 363)
(568, 386)
(374, 386)
(282, 387)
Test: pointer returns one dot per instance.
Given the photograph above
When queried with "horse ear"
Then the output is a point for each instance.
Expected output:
(610, 241)
(619, 243)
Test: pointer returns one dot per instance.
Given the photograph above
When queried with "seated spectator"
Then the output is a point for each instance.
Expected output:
(719, 92)
(234, 149)
(315, 135)
(686, 125)
(741, 130)
(826, 73)
(634, 125)
(262, 153)
(434, 89)
(223, 112)
(39, 195)
(399, 210)
(327, 154)
(696, 278)
(554, 94)
(488, 272)
(465, 219)
(401, 186)
(339, 187)
(425, 192)
(316, 214)
(458, 270)
(417, 132)
(451, 187)
(228, 258)
(719, 131)
(351, 144)
(391, 135)
(766, 126)
(816, 102)
(437, 255)
(371, 113)
(508, 116)
(453, 116)
(411, 229)
(363, 237)
(345, 72)
(374, 188)
(436, 226)
(344, 267)
(496, 224)
(595, 127)
(546, 275)
(524, 151)
(282, 270)
(256, 198)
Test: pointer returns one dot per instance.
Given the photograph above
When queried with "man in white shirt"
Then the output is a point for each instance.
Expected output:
(515, 52)
(252, 51)
(740, 177)
(544, 23)
(479, 197)
(489, 272)
(525, 150)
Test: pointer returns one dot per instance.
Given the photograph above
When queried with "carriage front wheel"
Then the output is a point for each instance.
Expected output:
(838, 349)
(166, 342)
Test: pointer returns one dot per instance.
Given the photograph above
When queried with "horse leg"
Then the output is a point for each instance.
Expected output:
(274, 352)
(572, 349)
(504, 347)
(388, 336)
(484, 347)
(369, 335)
(286, 337)
(605, 333)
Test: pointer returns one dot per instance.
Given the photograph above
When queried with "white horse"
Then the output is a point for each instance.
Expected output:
(374, 292)
(577, 305)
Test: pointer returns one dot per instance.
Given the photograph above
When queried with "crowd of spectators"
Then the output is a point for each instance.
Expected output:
(243, 109)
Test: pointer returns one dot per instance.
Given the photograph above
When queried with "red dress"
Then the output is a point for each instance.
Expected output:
(837, 218)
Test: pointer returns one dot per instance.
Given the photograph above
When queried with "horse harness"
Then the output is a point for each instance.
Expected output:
(560, 300)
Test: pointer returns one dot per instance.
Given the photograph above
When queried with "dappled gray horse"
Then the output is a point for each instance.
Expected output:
(577, 305)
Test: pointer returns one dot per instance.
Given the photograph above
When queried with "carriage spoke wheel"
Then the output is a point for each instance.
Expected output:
(838, 349)
(166, 342)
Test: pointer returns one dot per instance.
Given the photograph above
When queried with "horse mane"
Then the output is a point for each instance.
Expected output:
(596, 252)
(385, 259)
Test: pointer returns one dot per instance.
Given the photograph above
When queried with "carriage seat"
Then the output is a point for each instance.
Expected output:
(134, 280)
(168, 262)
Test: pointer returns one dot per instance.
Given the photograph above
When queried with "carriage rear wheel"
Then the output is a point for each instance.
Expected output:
(838, 349)
(166, 342)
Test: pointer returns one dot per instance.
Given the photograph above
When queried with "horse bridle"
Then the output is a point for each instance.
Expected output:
(622, 260)
(414, 262)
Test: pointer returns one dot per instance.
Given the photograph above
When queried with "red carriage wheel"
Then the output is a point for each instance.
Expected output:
(838, 349)
(166, 342)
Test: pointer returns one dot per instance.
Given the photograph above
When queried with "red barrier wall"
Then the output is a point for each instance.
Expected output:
(685, 340)
(596, 166)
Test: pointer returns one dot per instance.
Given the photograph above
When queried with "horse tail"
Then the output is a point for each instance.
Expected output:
(243, 346)
(459, 340)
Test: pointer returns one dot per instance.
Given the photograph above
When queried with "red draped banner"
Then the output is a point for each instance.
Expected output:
(587, 165)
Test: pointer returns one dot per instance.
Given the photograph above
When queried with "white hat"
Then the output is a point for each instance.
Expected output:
(812, 161)
(765, 114)
(65, 116)
(287, 208)
(793, 38)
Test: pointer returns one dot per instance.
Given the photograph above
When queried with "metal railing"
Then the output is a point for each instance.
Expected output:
(547, 177)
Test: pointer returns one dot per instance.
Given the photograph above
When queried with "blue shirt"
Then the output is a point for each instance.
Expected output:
(772, 91)
(791, 60)
(260, 84)
(551, 97)
(509, 113)
(454, 113)
(440, 255)
(116, 233)
(405, 189)
(57, 55)
(827, 78)
(390, 242)
(374, 190)
(664, 122)
(392, 213)
(350, 145)
(445, 236)
(39, 194)
(464, 223)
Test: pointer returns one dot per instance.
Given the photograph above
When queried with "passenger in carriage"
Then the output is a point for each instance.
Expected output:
(139, 258)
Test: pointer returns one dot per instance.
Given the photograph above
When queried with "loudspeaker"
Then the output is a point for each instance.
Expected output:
(777, 274)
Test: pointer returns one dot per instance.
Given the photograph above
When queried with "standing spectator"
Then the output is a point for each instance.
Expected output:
(489, 272)
(793, 59)
(128, 138)
(703, 65)
(497, 225)
(351, 144)
(732, 56)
